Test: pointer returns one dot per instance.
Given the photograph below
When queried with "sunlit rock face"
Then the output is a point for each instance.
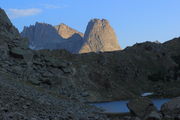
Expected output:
(99, 37)
(66, 32)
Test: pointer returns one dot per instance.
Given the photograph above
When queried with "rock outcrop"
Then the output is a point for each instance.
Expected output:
(171, 109)
(142, 107)
(99, 37)
(7, 29)
(66, 32)
(9, 37)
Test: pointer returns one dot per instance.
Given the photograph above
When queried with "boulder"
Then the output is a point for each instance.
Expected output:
(56, 63)
(17, 52)
(141, 107)
(153, 116)
(171, 108)
(35, 81)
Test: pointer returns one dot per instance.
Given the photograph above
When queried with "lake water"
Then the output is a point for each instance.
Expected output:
(121, 106)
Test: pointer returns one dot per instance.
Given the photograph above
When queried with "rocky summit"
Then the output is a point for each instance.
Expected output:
(99, 37)
(66, 32)
(55, 84)
(46, 36)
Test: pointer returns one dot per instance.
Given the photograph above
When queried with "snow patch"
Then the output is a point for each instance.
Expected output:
(147, 94)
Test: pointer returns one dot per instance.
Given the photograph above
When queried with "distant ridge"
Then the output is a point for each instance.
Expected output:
(99, 37)
(45, 36)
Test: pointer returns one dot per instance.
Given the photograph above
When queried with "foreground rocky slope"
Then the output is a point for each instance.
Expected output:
(99, 37)
(21, 100)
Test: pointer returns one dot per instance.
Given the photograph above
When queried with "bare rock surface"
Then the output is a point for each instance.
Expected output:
(66, 32)
(99, 37)
(141, 107)
(7, 29)
(154, 115)
(171, 108)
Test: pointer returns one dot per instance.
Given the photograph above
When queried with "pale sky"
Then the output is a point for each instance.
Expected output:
(134, 21)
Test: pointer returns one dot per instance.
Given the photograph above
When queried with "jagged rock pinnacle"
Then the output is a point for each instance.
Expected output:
(67, 32)
(7, 29)
(99, 36)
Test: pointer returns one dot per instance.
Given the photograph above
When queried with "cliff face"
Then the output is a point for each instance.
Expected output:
(7, 29)
(42, 36)
(99, 37)
(9, 37)
(45, 36)
(66, 32)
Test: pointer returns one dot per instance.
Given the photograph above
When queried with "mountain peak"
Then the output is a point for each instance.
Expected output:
(66, 31)
(100, 36)
(6, 26)
(46, 36)
(96, 20)
(4, 18)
